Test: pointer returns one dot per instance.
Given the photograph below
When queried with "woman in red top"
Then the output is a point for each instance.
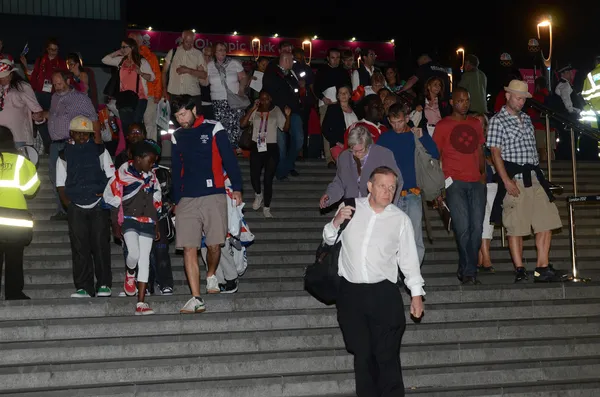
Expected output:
(541, 95)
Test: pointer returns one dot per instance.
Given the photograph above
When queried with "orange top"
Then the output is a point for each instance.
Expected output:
(154, 87)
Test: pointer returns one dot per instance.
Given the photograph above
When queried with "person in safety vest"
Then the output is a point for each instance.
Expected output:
(18, 178)
(591, 96)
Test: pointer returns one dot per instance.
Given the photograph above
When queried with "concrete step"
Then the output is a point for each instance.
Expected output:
(335, 384)
(287, 300)
(291, 363)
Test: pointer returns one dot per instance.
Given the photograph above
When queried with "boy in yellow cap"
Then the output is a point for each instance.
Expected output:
(82, 172)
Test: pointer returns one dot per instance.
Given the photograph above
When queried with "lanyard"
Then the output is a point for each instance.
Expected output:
(264, 123)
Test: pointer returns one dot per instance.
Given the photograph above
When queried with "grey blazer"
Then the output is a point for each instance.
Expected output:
(346, 185)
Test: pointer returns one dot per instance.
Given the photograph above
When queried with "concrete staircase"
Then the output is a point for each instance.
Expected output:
(271, 339)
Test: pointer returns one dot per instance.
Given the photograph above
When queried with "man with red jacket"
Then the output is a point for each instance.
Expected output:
(201, 154)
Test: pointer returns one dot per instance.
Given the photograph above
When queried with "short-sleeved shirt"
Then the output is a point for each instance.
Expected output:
(460, 143)
(514, 135)
(270, 120)
(184, 84)
(217, 90)
(16, 114)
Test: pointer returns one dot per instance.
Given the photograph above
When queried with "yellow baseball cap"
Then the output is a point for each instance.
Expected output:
(81, 124)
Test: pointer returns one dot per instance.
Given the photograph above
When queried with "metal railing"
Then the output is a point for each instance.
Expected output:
(573, 126)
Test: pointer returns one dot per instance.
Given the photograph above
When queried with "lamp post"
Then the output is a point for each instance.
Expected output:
(546, 23)
(462, 65)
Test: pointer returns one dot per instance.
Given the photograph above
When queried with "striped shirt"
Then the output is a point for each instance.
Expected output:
(64, 108)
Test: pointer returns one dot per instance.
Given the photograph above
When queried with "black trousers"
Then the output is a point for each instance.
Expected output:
(160, 260)
(89, 232)
(267, 160)
(12, 256)
(372, 320)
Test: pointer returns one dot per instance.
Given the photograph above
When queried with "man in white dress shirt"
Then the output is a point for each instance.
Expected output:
(377, 241)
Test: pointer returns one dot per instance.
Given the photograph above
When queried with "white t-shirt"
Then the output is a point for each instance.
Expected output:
(274, 120)
(106, 165)
(217, 90)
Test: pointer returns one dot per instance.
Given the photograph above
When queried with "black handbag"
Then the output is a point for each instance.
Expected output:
(128, 100)
(321, 278)
(245, 141)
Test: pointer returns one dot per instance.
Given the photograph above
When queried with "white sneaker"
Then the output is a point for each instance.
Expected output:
(258, 200)
(267, 212)
(212, 285)
(194, 305)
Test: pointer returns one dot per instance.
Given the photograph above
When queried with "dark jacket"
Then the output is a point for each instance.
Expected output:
(334, 124)
(200, 155)
(328, 77)
(284, 89)
(445, 110)
(513, 169)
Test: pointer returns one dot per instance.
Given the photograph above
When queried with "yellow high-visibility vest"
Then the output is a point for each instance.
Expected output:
(591, 95)
(18, 178)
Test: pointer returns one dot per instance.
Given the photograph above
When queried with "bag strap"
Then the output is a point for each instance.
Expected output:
(347, 202)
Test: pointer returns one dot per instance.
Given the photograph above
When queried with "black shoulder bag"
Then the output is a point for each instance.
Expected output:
(321, 278)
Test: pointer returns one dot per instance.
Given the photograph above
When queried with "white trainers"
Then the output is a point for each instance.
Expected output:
(258, 200)
(194, 305)
(267, 212)
(212, 285)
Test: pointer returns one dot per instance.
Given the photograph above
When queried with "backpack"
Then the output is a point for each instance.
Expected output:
(430, 177)
(321, 279)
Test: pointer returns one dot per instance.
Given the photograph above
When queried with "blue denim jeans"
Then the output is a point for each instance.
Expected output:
(412, 206)
(466, 201)
(288, 151)
(55, 148)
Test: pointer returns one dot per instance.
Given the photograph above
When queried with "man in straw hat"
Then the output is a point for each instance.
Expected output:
(529, 202)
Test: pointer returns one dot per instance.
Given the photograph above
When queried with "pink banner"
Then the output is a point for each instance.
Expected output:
(529, 78)
(269, 46)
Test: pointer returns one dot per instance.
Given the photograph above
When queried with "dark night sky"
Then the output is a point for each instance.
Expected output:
(506, 27)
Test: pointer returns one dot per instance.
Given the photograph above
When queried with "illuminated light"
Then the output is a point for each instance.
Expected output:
(392, 41)
(193, 30)
(461, 50)
(257, 41)
(557, 139)
(544, 23)
(235, 33)
(315, 37)
(302, 74)
(276, 35)
(309, 44)
(353, 39)
(149, 27)
(295, 90)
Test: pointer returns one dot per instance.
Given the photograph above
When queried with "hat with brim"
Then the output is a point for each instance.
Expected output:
(81, 124)
(518, 87)
(565, 68)
(6, 67)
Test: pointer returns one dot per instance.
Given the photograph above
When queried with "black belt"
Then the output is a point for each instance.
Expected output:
(61, 141)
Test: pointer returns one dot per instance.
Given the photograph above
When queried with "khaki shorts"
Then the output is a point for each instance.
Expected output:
(195, 215)
(540, 139)
(531, 209)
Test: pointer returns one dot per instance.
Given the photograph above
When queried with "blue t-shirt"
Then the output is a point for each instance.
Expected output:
(403, 147)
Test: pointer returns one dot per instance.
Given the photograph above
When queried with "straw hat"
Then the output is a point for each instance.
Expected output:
(518, 87)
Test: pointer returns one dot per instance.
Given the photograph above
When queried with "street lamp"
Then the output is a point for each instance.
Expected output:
(257, 41)
(461, 51)
(546, 23)
(307, 43)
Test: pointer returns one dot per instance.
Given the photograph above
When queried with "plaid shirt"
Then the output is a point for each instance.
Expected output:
(64, 108)
(515, 136)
